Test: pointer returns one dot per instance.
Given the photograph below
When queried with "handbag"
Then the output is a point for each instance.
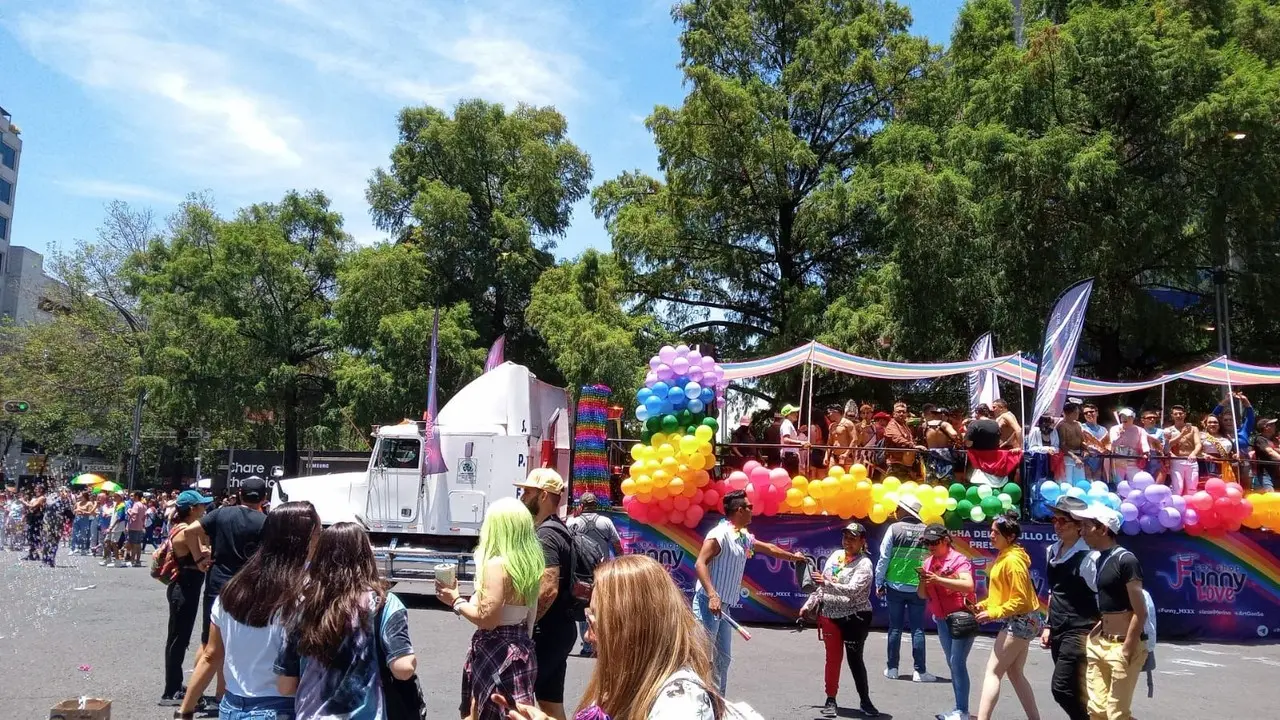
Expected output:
(961, 624)
(402, 699)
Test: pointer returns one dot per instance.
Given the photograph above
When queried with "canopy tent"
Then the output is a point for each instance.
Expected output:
(1015, 368)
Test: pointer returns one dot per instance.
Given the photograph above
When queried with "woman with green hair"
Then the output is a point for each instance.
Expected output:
(509, 564)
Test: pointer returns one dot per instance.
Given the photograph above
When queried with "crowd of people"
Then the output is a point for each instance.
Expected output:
(1081, 444)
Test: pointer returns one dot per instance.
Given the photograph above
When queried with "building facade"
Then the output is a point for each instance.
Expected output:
(10, 156)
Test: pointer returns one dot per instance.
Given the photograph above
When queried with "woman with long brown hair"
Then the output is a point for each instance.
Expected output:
(245, 634)
(331, 658)
(639, 620)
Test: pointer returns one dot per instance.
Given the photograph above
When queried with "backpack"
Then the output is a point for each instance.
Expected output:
(584, 557)
(164, 564)
(402, 699)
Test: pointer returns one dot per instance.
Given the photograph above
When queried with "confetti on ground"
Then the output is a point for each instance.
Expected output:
(86, 587)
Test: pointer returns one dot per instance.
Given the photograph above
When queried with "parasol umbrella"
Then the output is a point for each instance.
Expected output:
(108, 486)
(88, 479)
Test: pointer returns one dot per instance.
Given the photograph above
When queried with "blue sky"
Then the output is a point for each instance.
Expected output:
(148, 100)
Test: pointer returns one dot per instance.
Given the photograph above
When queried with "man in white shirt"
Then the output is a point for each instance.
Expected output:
(791, 439)
(598, 529)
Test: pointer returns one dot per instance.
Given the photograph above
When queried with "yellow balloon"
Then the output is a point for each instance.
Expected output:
(658, 440)
(908, 488)
(708, 449)
(665, 450)
(830, 486)
(661, 478)
(809, 506)
(670, 465)
(794, 497)
(644, 484)
(801, 483)
(859, 472)
(637, 451)
(891, 484)
(652, 464)
(689, 445)
(878, 513)
(940, 492)
(877, 492)
(836, 471)
(847, 484)
(891, 499)
(816, 489)
(628, 486)
(636, 469)
(661, 493)
(697, 461)
(676, 486)
(703, 433)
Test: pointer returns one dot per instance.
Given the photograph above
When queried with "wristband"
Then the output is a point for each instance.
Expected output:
(456, 603)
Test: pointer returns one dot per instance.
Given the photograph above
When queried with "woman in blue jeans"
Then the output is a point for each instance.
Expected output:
(946, 583)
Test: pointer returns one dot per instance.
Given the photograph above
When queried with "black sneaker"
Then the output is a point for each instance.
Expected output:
(830, 709)
(868, 710)
(173, 700)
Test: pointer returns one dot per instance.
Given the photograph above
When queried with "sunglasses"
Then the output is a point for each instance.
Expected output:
(1061, 520)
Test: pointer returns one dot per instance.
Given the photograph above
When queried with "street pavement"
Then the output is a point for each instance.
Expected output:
(81, 629)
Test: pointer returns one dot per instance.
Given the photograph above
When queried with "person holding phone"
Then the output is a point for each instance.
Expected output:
(844, 616)
(946, 583)
(500, 661)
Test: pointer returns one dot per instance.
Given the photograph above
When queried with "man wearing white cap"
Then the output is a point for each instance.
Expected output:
(1129, 441)
(1116, 648)
(902, 554)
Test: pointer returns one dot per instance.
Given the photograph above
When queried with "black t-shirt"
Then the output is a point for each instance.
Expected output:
(553, 535)
(1116, 569)
(1072, 605)
(1265, 463)
(982, 434)
(234, 532)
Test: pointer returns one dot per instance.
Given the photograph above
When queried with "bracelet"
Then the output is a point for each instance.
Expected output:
(456, 603)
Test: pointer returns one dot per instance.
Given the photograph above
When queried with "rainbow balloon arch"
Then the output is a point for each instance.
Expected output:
(671, 480)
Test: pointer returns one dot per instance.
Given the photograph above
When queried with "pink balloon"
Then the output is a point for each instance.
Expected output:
(711, 499)
(693, 516)
(737, 480)
(749, 466)
(760, 477)
(1201, 501)
(779, 477)
(650, 378)
(676, 517)
(1190, 518)
(667, 354)
(1234, 492)
(708, 364)
(698, 495)
(769, 495)
(1215, 487)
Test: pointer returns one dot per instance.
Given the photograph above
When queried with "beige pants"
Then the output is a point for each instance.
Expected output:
(1110, 678)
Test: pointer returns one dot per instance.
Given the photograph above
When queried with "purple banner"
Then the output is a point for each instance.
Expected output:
(433, 463)
(1223, 589)
(1058, 350)
(496, 353)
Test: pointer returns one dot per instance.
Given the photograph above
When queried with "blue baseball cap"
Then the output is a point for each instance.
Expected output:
(188, 498)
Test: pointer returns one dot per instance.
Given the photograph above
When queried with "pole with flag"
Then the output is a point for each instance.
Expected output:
(1058, 350)
(983, 389)
(496, 353)
(433, 460)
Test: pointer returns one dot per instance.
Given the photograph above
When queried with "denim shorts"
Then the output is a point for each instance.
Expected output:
(135, 537)
(1024, 627)
(235, 707)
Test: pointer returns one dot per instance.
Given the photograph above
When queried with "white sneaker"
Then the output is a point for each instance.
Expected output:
(891, 673)
(923, 677)
(102, 564)
(110, 564)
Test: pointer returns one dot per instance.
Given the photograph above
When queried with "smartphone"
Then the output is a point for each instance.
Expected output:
(501, 689)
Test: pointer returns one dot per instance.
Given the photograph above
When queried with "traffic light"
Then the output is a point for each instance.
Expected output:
(17, 406)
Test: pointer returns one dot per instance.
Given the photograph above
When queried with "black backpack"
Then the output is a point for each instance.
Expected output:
(584, 557)
(402, 699)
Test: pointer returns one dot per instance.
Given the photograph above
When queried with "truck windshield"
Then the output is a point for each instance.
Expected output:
(400, 453)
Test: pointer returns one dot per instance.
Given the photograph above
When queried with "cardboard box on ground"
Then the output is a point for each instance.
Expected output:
(94, 709)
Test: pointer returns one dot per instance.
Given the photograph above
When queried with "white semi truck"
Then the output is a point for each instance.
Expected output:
(492, 434)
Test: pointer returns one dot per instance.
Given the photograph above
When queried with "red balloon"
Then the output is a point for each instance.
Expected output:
(693, 516)
(748, 466)
(1233, 526)
(1194, 530)
(1210, 520)
(1215, 487)
(759, 477)
(711, 498)
(1234, 491)
(1201, 501)
(676, 517)
(666, 504)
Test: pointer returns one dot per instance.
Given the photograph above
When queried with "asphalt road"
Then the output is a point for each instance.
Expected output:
(81, 629)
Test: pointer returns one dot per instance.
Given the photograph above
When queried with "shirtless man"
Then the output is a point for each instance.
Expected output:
(1010, 429)
(1116, 648)
(844, 433)
(1182, 438)
(867, 433)
(939, 440)
(1073, 439)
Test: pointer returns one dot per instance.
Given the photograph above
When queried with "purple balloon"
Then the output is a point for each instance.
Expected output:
(1170, 518)
(682, 351)
(680, 365)
(654, 362)
(695, 359)
(1154, 493)
(667, 354)
(708, 364)
(1124, 488)
(1178, 502)
(1190, 517)
(650, 378)
(665, 372)
(1149, 524)
(1131, 527)
(1135, 497)
(695, 374)
(1128, 511)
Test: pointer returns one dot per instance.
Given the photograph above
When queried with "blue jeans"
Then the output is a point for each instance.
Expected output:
(80, 533)
(582, 634)
(721, 635)
(906, 606)
(957, 654)
(237, 707)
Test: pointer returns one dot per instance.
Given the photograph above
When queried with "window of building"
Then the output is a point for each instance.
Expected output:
(6, 190)
(8, 156)
(4, 231)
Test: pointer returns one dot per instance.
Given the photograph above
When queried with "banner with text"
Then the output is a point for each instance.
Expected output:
(1216, 589)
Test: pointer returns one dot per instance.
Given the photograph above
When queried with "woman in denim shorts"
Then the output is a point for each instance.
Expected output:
(1011, 598)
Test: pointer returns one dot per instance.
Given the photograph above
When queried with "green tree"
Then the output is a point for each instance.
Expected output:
(385, 327)
(579, 309)
(241, 313)
(482, 196)
(759, 216)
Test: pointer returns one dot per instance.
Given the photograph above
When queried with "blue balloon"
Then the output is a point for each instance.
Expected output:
(665, 408)
(676, 401)
(692, 390)
(654, 405)
(696, 406)
(643, 394)
(642, 413)
(675, 391)
(1050, 491)
(1076, 492)
(660, 389)
(707, 395)
(1084, 485)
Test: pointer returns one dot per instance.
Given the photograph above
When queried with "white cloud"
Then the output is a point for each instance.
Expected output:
(111, 190)
(249, 99)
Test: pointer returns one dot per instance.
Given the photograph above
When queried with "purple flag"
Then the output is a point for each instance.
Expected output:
(496, 353)
(1058, 351)
(982, 383)
(433, 463)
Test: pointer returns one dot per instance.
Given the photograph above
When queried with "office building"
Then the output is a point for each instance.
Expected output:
(10, 155)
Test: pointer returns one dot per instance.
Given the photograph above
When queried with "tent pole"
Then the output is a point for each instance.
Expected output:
(1162, 403)
(1022, 402)
(1235, 422)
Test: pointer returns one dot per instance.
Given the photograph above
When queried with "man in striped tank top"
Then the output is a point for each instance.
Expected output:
(720, 565)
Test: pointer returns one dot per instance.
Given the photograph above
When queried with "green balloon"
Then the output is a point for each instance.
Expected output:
(956, 491)
(991, 506)
(653, 424)
(952, 520)
(691, 430)
(1013, 491)
(670, 423)
(972, 495)
(711, 423)
(964, 507)
(646, 437)
(685, 417)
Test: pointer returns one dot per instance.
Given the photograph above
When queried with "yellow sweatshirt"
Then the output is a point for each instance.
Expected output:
(1009, 588)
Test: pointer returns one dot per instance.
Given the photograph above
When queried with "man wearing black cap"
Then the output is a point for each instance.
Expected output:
(1073, 608)
(232, 533)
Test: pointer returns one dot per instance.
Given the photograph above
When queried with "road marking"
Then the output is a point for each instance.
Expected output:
(1202, 650)
(1177, 672)
(1195, 663)
(1263, 660)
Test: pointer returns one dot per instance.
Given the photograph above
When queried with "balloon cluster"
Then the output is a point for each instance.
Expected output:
(1220, 507)
(1266, 511)
(669, 480)
(979, 503)
(1090, 492)
(1149, 507)
(765, 488)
